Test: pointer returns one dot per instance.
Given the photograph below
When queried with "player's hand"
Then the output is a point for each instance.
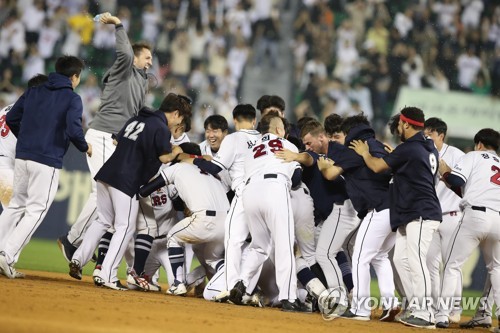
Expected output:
(286, 155)
(443, 167)
(388, 148)
(107, 18)
(176, 150)
(89, 150)
(360, 147)
(324, 163)
(207, 157)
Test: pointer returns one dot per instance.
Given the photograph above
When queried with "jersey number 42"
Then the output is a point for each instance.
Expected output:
(133, 130)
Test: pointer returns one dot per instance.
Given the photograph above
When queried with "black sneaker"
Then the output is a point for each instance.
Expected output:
(296, 306)
(442, 324)
(75, 270)
(349, 315)
(66, 247)
(418, 322)
(388, 315)
(236, 294)
(477, 321)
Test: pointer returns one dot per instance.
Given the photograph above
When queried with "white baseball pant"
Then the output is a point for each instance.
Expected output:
(373, 242)
(35, 186)
(410, 253)
(335, 230)
(116, 209)
(477, 228)
(303, 216)
(268, 206)
(6, 185)
(102, 149)
(437, 251)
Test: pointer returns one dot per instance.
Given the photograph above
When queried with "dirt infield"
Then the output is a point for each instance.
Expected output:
(53, 302)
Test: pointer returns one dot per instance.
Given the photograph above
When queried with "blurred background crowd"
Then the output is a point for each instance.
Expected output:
(321, 56)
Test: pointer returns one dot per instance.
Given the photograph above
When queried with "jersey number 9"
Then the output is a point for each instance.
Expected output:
(261, 150)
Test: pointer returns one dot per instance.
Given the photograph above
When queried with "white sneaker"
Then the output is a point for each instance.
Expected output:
(18, 274)
(177, 288)
(98, 281)
(5, 268)
(222, 297)
(254, 300)
(117, 285)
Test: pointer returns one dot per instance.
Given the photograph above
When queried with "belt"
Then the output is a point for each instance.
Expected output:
(210, 213)
(453, 213)
(482, 209)
(339, 203)
(266, 176)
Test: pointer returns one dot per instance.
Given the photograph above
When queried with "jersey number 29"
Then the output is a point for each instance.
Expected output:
(133, 130)
(261, 149)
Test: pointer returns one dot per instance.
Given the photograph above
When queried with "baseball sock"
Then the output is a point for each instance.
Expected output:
(102, 249)
(176, 257)
(316, 268)
(143, 245)
(345, 267)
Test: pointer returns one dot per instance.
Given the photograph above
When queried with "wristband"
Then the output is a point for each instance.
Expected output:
(194, 156)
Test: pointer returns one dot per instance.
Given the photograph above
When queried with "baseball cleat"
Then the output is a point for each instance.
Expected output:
(236, 294)
(418, 322)
(75, 270)
(117, 285)
(349, 315)
(442, 324)
(255, 300)
(177, 288)
(137, 282)
(222, 297)
(98, 281)
(388, 315)
(66, 247)
(19, 275)
(152, 285)
(5, 268)
(296, 306)
(477, 321)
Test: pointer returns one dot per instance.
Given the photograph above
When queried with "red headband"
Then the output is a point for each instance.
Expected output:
(411, 121)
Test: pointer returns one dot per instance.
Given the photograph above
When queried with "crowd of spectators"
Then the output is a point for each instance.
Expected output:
(349, 55)
(355, 55)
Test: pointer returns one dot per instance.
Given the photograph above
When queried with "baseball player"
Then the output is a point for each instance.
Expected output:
(333, 128)
(331, 209)
(415, 211)
(124, 93)
(231, 156)
(476, 177)
(369, 195)
(41, 145)
(266, 199)
(216, 129)
(8, 148)
(205, 227)
(143, 143)
(436, 129)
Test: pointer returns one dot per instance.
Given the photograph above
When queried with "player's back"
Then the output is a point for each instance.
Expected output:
(263, 161)
(481, 172)
(232, 154)
(448, 199)
(199, 190)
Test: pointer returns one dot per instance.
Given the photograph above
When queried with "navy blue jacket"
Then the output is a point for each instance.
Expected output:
(45, 119)
(414, 164)
(366, 189)
(135, 161)
(323, 192)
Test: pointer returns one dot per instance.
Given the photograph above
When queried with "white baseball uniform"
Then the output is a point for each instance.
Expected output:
(7, 155)
(231, 157)
(205, 197)
(479, 225)
(449, 201)
(303, 216)
(224, 174)
(267, 204)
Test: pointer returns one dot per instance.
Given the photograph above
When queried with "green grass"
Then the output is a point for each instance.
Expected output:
(44, 255)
